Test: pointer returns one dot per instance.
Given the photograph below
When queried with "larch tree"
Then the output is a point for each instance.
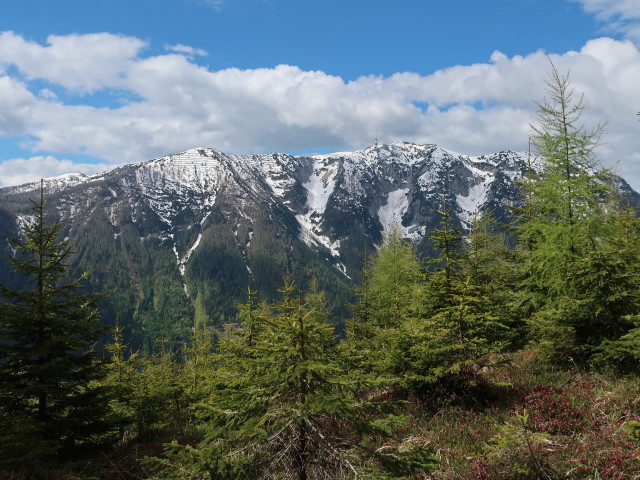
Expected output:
(567, 235)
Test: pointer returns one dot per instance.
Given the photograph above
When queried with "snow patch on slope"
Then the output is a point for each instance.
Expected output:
(183, 261)
(392, 211)
(274, 169)
(321, 185)
(24, 221)
(319, 188)
(470, 204)
(309, 235)
(51, 184)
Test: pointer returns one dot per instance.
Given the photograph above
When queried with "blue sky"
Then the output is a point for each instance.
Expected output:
(85, 86)
(348, 38)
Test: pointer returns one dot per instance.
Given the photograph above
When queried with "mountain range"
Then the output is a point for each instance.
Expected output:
(177, 240)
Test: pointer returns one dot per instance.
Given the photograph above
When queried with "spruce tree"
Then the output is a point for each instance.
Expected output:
(120, 377)
(491, 272)
(447, 242)
(445, 331)
(461, 311)
(283, 406)
(395, 270)
(356, 348)
(48, 366)
(160, 397)
(199, 364)
(428, 341)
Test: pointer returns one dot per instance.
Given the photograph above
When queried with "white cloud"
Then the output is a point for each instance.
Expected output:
(47, 94)
(186, 50)
(620, 16)
(16, 103)
(84, 63)
(473, 109)
(607, 10)
(23, 170)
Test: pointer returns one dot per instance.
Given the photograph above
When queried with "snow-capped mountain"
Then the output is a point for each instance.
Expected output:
(202, 222)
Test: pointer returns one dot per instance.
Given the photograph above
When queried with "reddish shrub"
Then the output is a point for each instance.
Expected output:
(615, 463)
(552, 411)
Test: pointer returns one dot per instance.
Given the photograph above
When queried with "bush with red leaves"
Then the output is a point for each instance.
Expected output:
(551, 411)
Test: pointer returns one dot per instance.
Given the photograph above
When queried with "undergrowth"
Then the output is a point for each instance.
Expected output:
(538, 423)
(513, 418)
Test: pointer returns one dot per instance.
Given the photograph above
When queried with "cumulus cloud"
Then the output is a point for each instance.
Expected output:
(16, 105)
(175, 104)
(84, 63)
(24, 170)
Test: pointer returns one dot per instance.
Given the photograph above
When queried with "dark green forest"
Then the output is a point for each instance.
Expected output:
(142, 286)
(510, 353)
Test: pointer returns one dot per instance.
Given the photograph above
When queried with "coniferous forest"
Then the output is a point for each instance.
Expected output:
(513, 352)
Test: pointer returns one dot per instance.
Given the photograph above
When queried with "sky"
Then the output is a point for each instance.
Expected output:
(89, 85)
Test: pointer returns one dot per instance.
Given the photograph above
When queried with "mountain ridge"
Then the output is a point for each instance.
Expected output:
(208, 224)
